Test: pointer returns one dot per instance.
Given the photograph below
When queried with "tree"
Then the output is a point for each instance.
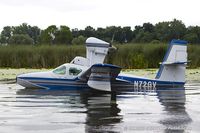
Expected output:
(128, 34)
(177, 29)
(54, 35)
(89, 32)
(147, 37)
(23, 29)
(110, 33)
(166, 31)
(148, 27)
(6, 34)
(162, 31)
(116, 34)
(48, 35)
(34, 33)
(100, 32)
(63, 35)
(144, 33)
(119, 35)
(79, 40)
(21, 39)
(193, 34)
(191, 37)
(75, 32)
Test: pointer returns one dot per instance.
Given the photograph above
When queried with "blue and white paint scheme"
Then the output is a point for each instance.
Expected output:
(90, 72)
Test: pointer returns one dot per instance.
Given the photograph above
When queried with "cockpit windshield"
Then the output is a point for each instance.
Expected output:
(67, 70)
(74, 71)
(60, 70)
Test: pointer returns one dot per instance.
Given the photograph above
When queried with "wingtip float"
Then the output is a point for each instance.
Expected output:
(90, 72)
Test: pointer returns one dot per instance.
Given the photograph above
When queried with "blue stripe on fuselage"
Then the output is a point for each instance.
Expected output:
(56, 83)
(68, 87)
(52, 79)
(159, 83)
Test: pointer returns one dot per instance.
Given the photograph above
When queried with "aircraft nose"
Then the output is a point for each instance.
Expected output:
(19, 78)
(23, 80)
(34, 75)
(22, 75)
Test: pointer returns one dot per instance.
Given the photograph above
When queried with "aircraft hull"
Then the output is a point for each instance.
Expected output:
(121, 82)
(51, 83)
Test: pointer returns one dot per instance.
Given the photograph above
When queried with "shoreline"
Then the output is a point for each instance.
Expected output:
(8, 75)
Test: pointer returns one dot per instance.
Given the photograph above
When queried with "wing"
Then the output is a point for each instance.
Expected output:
(100, 76)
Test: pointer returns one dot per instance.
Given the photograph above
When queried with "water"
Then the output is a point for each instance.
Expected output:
(140, 110)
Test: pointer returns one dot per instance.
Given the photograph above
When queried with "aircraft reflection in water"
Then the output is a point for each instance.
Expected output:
(173, 100)
(103, 112)
(104, 115)
(101, 108)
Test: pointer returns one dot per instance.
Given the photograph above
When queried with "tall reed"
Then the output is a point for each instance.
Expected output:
(43, 56)
(127, 55)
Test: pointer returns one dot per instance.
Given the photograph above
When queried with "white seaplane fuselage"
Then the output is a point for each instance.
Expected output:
(91, 72)
(57, 78)
(64, 79)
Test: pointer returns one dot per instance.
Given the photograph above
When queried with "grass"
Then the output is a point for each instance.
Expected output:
(138, 55)
(38, 56)
(10, 73)
(128, 56)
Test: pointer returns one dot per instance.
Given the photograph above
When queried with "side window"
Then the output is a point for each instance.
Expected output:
(74, 71)
(60, 70)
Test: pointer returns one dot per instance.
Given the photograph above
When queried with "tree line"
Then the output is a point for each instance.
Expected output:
(146, 33)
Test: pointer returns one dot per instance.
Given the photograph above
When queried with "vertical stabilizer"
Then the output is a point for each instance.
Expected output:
(174, 63)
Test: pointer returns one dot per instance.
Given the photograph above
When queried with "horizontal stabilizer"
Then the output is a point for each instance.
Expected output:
(174, 63)
(100, 76)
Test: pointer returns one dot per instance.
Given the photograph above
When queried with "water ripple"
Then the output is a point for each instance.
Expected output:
(39, 110)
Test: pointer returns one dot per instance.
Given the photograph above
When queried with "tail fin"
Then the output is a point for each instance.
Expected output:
(174, 63)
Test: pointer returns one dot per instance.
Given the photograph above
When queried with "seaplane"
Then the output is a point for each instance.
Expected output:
(91, 71)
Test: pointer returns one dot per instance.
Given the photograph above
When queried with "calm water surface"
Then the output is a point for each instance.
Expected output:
(138, 110)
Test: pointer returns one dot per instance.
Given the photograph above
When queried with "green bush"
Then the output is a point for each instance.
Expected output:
(193, 56)
(80, 40)
(155, 42)
(20, 39)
